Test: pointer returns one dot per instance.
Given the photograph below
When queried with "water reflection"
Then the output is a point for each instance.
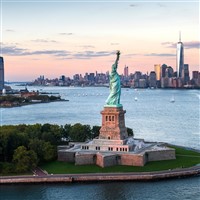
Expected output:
(174, 189)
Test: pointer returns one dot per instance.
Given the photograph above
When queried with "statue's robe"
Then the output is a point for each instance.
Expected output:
(115, 88)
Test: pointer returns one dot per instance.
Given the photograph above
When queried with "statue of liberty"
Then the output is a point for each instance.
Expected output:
(113, 99)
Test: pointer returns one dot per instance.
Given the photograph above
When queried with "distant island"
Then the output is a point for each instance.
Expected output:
(24, 97)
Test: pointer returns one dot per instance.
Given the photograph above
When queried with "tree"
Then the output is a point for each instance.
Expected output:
(50, 151)
(56, 132)
(65, 130)
(80, 133)
(21, 127)
(45, 127)
(48, 137)
(51, 133)
(24, 159)
(37, 146)
(10, 139)
(45, 150)
(34, 131)
(7, 168)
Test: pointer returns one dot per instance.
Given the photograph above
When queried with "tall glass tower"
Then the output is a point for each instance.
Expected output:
(1, 73)
(180, 57)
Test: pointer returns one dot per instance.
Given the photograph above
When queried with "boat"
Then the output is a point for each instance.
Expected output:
(172, 100)
(136, 98)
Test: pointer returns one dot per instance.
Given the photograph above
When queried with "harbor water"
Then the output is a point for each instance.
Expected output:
(149, 112)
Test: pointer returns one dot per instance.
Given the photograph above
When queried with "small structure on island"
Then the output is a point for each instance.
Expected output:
(114, 146)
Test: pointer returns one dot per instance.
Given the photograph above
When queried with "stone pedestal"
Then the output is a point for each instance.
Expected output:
(113, 124)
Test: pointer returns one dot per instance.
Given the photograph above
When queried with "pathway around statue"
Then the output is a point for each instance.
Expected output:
(94, 177)
(39, 172)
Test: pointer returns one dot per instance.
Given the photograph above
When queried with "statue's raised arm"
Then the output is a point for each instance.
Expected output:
(117, 59)
(115, 86)
(115, 65)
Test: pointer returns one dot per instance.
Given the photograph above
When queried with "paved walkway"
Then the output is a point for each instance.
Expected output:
(39, 172)
(130, 176)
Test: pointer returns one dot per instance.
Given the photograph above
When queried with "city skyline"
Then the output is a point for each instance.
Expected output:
(53, 38)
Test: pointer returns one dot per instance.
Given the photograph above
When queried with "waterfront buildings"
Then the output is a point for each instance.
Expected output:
(163, 76)
(1, 74)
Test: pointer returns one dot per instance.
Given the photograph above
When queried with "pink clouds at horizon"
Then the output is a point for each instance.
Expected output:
(27, 68)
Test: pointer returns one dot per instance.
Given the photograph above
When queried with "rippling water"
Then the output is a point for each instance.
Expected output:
(180, 189)
(152, 117)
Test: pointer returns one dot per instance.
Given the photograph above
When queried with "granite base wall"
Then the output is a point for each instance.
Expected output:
(66, 156)
(106, 161)
(85, 159)
(99, 160)
(160, 155)
(110, 160)
(132, 159)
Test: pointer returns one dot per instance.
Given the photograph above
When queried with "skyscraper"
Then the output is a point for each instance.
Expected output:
(152, 79)
(186, 74)
(180, 57)
(126, 71)
(163, 70)
(1, 74)
(157, 69)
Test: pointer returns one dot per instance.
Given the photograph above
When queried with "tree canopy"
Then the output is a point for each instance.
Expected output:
(23, 146)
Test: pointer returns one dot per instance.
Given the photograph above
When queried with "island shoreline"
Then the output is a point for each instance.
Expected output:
(102, 177)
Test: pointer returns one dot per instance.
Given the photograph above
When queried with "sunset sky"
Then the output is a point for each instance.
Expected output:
(54, 38)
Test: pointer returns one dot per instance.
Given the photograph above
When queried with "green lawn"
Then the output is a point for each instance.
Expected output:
(184, 158)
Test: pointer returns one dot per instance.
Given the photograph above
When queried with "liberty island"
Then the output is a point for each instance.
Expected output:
(186, 135)
(114, 146)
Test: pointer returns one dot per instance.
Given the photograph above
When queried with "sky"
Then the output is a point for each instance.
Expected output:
(54, 38)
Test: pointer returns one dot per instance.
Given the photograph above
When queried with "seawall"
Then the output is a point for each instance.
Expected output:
(70, 178)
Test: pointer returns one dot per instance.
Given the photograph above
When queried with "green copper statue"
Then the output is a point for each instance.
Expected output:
(113, 99)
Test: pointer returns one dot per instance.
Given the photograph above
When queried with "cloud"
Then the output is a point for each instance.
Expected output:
(114, 43)
(44, 41)
(169, 44)
(192, 45)
(133, 5)
(15, 51)
(49, 52)
(10, 30)
(87, 46)
(161, 5)
(166, 43)
(12, 50)
(92, 54)
(66, 34)
(160, 54)
(187, 45)
(130, 55)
